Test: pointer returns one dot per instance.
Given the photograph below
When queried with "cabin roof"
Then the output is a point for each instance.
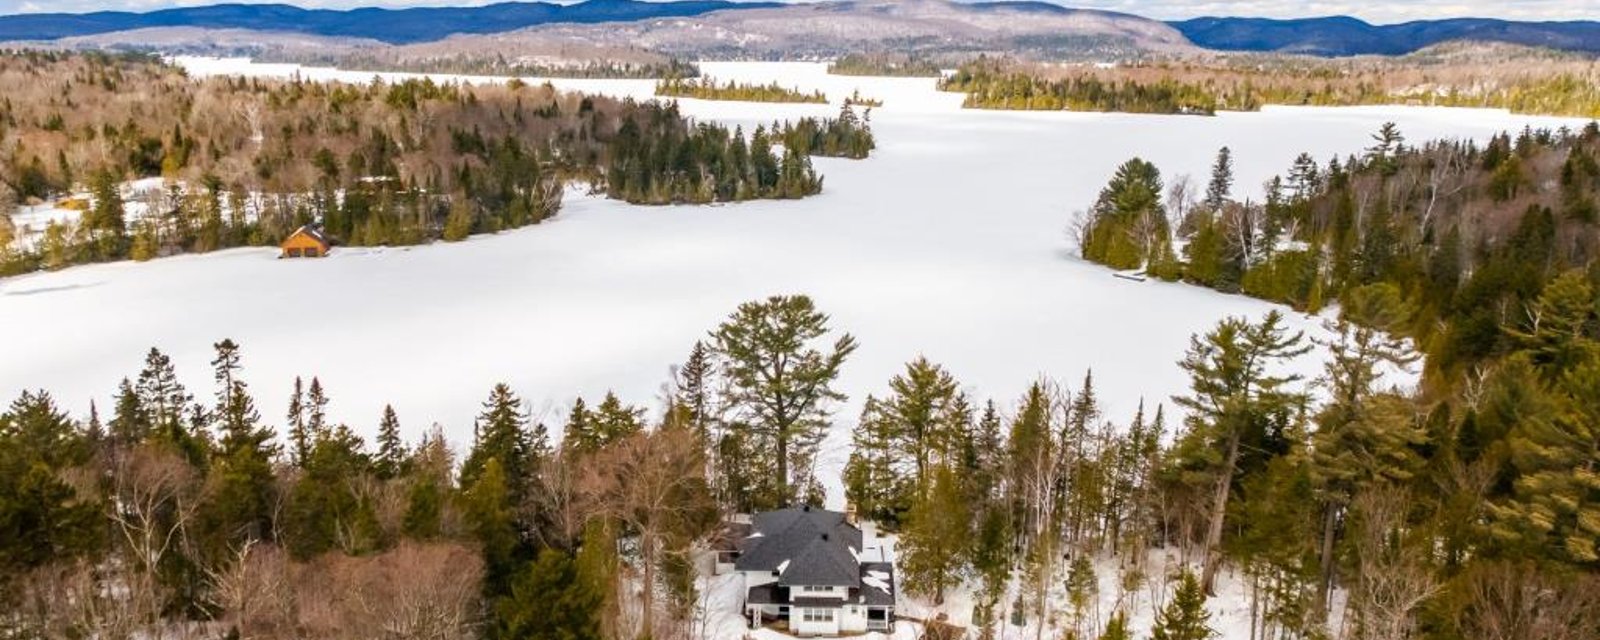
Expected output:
(310, 231)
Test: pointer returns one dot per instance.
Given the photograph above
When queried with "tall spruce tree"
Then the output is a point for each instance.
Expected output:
(300, 438)
(391, 458)
(242, 508)
(1221, 185)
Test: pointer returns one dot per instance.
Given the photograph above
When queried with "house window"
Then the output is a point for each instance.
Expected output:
(311, 253)
(811, 589)
(294, 253)
(818, 615)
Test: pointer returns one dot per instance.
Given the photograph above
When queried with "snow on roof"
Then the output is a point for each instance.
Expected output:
(878, 580)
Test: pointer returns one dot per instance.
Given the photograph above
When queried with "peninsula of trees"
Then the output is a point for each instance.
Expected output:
(706, 88)
(246, 161)
(884, 65)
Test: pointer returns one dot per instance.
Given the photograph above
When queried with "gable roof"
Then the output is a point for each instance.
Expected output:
(311, 231)
(806, 546)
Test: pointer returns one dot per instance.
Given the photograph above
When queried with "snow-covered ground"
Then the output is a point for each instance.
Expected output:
(949, 242)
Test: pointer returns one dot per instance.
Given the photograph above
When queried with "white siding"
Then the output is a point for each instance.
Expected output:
(837, 593)
(814, 622)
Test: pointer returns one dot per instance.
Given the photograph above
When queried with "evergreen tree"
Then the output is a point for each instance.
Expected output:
(242, 508)
(43, 519)
(1221, 185)
(391, 457)
(488, 509)
(130, 423)
(1235, 405)
(780, 382)
(499, 434)
(300, 438)
(1185, 616)
(550, 600)
(1127, 226)
(1555, 503)
(932, 551)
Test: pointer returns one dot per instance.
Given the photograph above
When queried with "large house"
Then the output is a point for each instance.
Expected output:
(806, 568)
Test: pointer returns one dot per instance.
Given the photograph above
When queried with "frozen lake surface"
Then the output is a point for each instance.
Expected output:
(949, 242)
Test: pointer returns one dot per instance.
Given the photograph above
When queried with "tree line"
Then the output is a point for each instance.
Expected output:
(884, 65)
(707, 88)
(244, 162)
(1446, 254)
(1407, 514)
(1523, 82)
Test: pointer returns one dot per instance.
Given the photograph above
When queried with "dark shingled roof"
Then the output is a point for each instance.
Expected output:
(874, 595)
(818, 546)
(823, 563)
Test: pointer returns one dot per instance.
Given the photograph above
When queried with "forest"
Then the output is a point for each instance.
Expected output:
(1523, 81)
(481, 64)
(243, 162)
(1404, 514)
(709, 164)
(706, 88)
(1476, 263)
(884, 65)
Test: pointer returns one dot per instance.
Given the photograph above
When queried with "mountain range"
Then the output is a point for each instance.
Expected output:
(774, 28)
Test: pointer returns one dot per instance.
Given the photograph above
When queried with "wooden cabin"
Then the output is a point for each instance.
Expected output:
(305, 242)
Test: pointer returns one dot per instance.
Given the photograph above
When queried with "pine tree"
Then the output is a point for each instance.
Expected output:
(164, 399)
(550, 600)
(1555, 504)
(923, 415)
(693, 390)
(1117, 628)
(1127, 225)
(1221, 184)
(780, 382)
(299, 436)
(130, 423)
(500, 436)
(580, 436)
(316, 410)
(932, 551)
(242, 507)
(391, 457)
(488, 509)
(1235, 400)
(1362, 438)
(1185, 616)
(614, 422)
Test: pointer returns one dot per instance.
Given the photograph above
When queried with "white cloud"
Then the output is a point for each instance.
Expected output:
(1379, 11)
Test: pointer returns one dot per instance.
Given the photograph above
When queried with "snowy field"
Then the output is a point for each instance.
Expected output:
(949, 242)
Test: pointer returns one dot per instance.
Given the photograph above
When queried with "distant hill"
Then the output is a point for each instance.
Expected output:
(687, 29)
(395, 26)
(1345, 36)
(923, 27)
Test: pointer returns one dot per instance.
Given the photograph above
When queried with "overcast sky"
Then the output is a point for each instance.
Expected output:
(1380, 11)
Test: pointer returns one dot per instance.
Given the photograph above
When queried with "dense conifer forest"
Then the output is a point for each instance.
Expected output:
(706, 88)
(1529, 82)
(245, 161)
(491, 65)
(884, 65)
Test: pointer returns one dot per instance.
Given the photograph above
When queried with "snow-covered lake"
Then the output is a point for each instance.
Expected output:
(949, 242)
